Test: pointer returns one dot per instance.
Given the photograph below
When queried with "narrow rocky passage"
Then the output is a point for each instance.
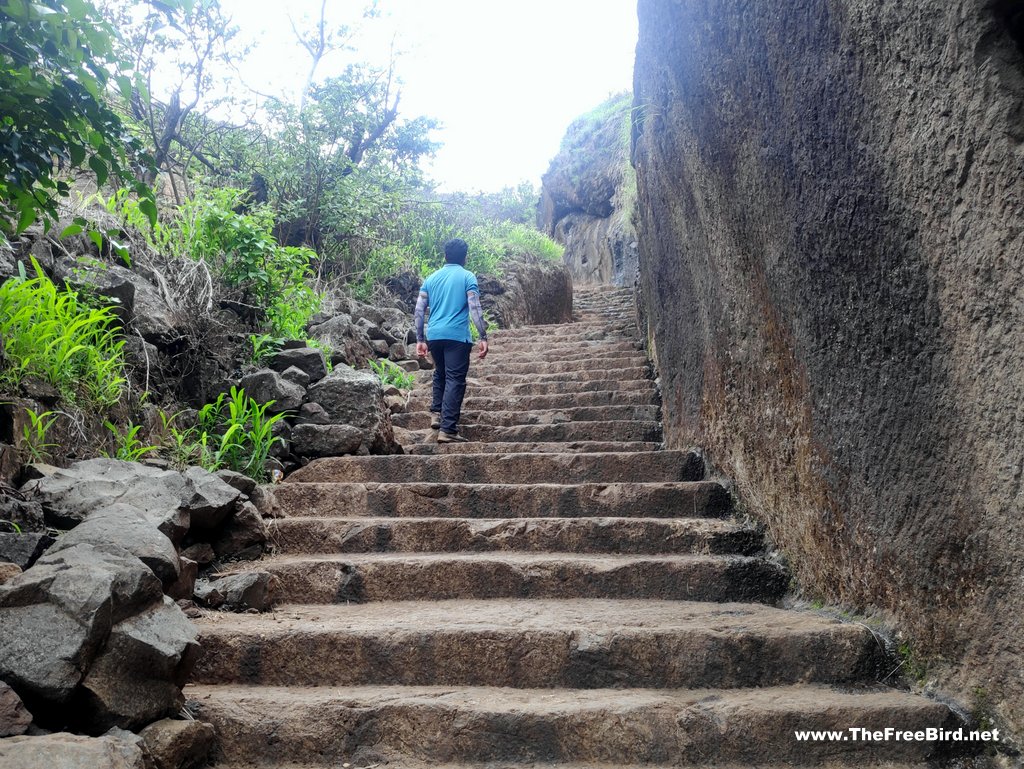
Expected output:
(558, 592)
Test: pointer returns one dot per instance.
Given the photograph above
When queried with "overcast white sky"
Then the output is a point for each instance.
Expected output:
(506, 77)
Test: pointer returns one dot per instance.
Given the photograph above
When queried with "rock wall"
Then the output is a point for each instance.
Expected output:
(831, 211)
(588, 195)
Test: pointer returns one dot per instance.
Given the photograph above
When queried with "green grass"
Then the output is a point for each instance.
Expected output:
(491, 246)
(391, 374)
(50, 334)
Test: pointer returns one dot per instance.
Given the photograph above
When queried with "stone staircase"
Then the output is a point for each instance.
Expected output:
(560, 593)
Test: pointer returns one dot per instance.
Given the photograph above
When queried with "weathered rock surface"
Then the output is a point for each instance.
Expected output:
(257, 590)
(23, 549)
(588, 194)
(214, 496)
(8, 571)
(56, 616)
(532, 291)
(350, 342)
(831, 224)
(137, 677)
(312, 440)
(266, 386)
(309, 360)
(72, 751)
(174, 744)
(14, 716)
(27, 515)
(243, 535)
(356, 398)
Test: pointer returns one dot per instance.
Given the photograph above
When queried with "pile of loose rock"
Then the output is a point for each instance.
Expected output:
(94, 596)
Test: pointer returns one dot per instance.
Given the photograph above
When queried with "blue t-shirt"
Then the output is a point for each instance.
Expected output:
(449, 309)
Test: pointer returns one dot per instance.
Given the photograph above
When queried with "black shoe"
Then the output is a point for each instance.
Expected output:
(435, 420)
(451, 438)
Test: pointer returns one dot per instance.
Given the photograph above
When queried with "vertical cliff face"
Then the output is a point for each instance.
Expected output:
(831, 234)
(588, 194)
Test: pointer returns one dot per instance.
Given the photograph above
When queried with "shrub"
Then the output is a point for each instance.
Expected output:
(50, 334)
(492, 245)
(391, 374)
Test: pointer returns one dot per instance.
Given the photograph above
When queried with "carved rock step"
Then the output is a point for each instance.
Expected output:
(670, 727)
(432, 576)
(483, 500)
(563, 350)
(633, 372)
(566, 535)
(653, 467)
(578, 644)
(405, 764)
(526, 364)
(484, 389)
(576, 447)
(476, 400)
(418, 420)
(588, 330)
(567, 431)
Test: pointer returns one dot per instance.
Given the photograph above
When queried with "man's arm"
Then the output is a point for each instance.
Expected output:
(421, 311)
(476, 312)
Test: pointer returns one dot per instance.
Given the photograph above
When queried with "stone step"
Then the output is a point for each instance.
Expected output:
(373, 761)
(526, 364)
(420, 400)
(567, 431)
(419, 420)
(481, 500)
(439, 576)
(563, 350)
(295, 535)
(576, 447)
(588, 330)
(655, 466)
(641, 726)
(483, 374)
(542, 644)
(484, 389)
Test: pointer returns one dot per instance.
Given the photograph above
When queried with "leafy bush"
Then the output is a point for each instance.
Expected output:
(392, 374)
(234, 432)
(50, 334)
(242, 249)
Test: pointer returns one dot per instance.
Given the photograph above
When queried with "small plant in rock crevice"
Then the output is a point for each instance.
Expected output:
(34, 435)
(127, 446)
(391, 374)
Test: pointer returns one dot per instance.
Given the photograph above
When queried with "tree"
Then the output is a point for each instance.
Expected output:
(57, 63)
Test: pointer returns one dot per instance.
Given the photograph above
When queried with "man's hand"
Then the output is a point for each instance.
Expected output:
(483, 349)
(421, 349)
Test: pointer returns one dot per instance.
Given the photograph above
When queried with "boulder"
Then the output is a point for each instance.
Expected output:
(239, 481)
(55, 616)
(174, 744)
(137, 677)
(14, 716)
(207, 594)
(380, 348)
(185, 584)
(23, 549)
(248, 590)
(349, 342)
(71, 751)
(8, 571)
(309, 360)
(266, 386)
(395, 403)
(27, 515)
(309, 440)
(296, 376)
(397, 351)
(71, 494)
(408, 366)
(245, 531)
(212, 498)
(356, 398)
(131, 530)
(201, 552)
(313, 413)
(262, 498)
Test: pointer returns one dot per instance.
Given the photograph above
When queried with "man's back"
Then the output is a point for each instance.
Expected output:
(446, 290)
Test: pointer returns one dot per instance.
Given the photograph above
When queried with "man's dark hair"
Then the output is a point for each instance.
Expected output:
(455, 251)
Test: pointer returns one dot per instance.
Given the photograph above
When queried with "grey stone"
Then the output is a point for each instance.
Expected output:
(397, 352)
(23, 549)
(71, 751)
(71, 494)
(138, 675)
(356, 398)
(126, 527)
(297, 376)
(309, 360)
(243, 530)
(212, 499)
(380, 347)
(207, 594)
(313, 413)
(184, 585)
(266, 386)
(26, 514)
(14, 716)
(395, 403)
(239, 481)
(248, 590)
(349, 342)
(201, 552)
(55, 616)
(309, 440)
(262, 498)
(408, 366)
(174, 744)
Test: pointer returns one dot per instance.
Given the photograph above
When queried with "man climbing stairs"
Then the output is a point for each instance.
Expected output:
(559, 592)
